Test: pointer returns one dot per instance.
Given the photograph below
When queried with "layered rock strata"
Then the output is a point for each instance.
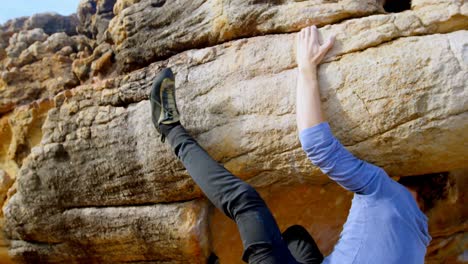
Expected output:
(86, 180)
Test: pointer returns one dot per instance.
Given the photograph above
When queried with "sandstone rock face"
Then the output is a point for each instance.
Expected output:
(149, 30)
(94, 17)
(92, 182)
(38, 66)
(124, 234)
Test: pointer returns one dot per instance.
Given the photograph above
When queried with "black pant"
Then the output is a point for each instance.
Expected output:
(261, 237)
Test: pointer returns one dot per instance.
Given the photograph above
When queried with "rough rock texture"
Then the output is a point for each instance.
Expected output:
(94, 17)
(36, 56)
(92, 182)
(149, 30)
(124, 234)
(50, 22)
(40, 71)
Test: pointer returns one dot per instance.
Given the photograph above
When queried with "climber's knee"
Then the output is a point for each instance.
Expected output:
(244, 199)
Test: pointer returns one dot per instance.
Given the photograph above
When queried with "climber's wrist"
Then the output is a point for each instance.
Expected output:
(309, 70)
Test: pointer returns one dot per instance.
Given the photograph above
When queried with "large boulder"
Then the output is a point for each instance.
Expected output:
(89, 181)
(104, 152)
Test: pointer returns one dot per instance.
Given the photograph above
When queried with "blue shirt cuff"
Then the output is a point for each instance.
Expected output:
(316, 134)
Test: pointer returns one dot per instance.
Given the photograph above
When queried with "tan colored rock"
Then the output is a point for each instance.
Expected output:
(94, 17)
(5, 184)
(103, 63)
(122, 4)
(130, 28)
(99, 62)
(150, 30)
(22, 40)
(2, 54)
(95, 184)
(42, 70)
(38, 80)
(360, 34)
(19, 132)
(34, 65)
(99, 148)
(7, 163)
(173, 233)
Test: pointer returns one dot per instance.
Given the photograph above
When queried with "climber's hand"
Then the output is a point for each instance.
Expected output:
(309, 52)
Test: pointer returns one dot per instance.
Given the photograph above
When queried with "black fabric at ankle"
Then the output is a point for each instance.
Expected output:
(166, 128)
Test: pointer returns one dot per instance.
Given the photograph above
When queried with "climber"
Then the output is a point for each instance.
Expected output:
(384, 225)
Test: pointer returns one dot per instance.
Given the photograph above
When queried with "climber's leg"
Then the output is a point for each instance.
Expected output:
(301, 245)
(259, 232)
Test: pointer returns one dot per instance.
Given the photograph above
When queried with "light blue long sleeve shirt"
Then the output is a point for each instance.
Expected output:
(385, 224)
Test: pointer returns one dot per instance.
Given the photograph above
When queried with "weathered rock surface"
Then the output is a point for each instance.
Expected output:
(36, 55)
(50, 22)
(38, 66)
(175, 233)
(149, 30)
(20, 131)
(111, 151)
(143, 31)
(94, 184)
(94, 17)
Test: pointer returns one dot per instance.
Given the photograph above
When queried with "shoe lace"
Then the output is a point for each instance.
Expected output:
(172, 105)
(165, 109)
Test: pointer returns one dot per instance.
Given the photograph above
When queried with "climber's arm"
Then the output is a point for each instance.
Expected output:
(324, 150)
(309, 54)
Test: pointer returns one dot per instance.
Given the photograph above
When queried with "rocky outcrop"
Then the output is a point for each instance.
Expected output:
(49, 22)
(94, 184)
(36, 56)
(37, 66)
(150, 232)
(94, 17)
(150, 30)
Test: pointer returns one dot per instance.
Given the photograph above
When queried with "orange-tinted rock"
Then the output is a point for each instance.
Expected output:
(322, 210)
(93, 173)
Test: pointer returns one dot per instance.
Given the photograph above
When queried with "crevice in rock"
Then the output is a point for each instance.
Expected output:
(36, 242)
(205, 43)
(396, 6)
(126, 102)
(129, 205)
(158, 3)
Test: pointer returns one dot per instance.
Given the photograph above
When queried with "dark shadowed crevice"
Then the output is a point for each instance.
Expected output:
(396, 6)
(158, 3)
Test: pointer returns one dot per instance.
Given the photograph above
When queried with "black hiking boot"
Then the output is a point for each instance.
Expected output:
(163, 101)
